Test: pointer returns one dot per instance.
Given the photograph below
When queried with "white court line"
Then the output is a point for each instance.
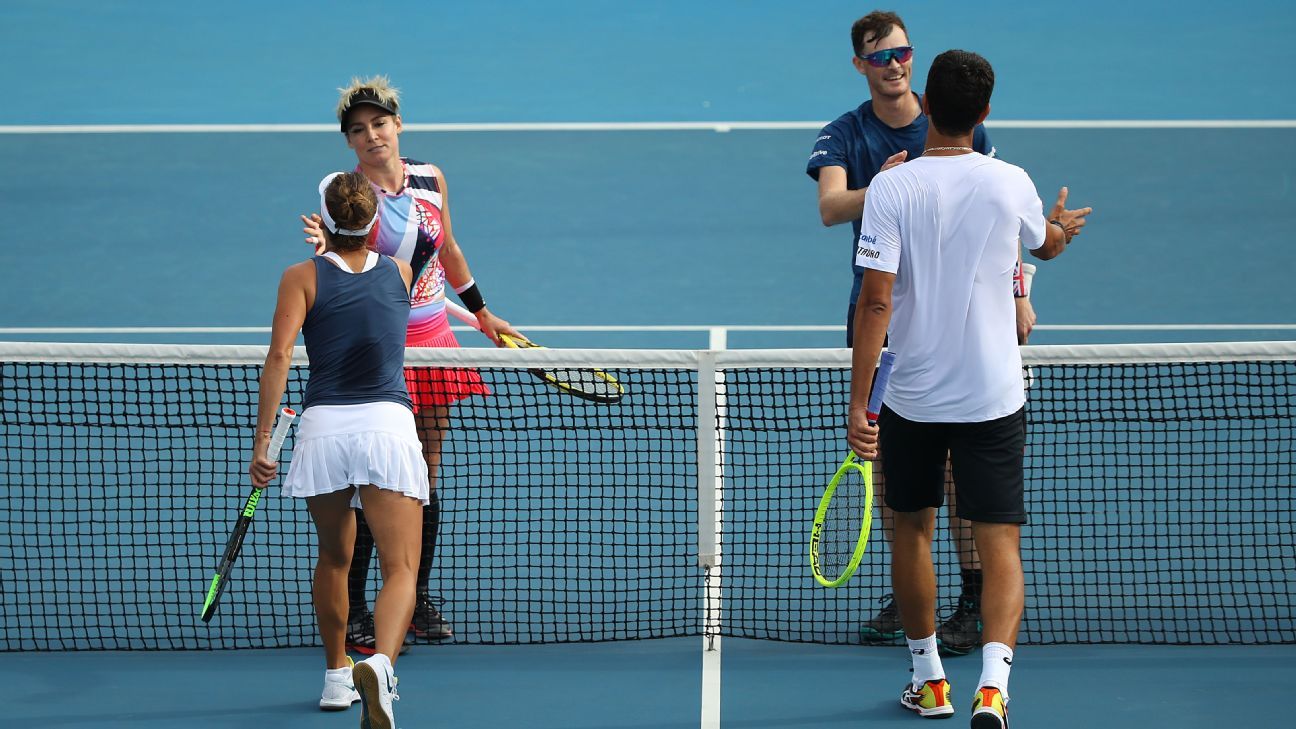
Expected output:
(666, 328)
(717, 126)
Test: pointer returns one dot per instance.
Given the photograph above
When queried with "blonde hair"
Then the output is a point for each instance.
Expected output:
(377, 87)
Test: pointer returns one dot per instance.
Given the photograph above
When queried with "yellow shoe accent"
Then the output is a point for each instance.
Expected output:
(989, 710)
(930, 701)
(339, 691)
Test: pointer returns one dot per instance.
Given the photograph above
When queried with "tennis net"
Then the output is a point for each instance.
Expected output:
(1159, 487)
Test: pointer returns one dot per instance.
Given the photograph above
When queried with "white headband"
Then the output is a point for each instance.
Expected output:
(328, 219)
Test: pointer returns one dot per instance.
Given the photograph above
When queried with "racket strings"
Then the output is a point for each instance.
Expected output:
(843, 521)
(589, 383)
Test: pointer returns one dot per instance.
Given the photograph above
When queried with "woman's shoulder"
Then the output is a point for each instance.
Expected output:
(299, 273)
(302, 267)
(423, 175)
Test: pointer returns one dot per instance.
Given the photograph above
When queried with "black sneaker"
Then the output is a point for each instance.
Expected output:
(961, 633)
(884, 626)
(360, 635)
(427, 622)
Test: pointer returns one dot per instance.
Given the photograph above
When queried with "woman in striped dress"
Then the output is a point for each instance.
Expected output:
(413, 226)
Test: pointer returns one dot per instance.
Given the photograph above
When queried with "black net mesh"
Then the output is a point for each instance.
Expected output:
(1160, 500)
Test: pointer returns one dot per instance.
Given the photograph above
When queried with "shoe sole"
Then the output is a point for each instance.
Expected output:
(869, 635)
(988, 720)
(338, 706)
(431, 636)
(366, 682)
(942, 713)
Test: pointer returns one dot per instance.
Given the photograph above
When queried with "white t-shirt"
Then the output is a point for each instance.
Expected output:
(948, 228)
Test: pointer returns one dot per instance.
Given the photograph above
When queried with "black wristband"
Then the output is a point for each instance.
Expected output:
(1066, 234)
(472, 299)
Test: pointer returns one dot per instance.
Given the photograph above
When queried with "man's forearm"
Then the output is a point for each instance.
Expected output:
(1055, 241)
(870, 332)
(843, 206)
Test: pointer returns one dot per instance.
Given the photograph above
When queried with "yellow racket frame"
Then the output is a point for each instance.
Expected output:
(865, 469)
(516, 343)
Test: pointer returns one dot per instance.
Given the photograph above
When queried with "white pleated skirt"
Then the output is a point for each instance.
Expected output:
(340, 446)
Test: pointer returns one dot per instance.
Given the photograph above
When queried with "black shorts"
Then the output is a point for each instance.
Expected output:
(987, 460)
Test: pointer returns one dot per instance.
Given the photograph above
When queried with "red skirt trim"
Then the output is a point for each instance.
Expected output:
(430, 386)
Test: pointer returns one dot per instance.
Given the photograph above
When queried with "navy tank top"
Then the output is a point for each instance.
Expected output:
(355, 336)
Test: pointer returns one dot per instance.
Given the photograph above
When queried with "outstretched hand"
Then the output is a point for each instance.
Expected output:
(1072, 220)
(314, 230)
(895, 160)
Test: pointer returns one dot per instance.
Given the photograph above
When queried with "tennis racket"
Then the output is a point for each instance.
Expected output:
(1028, 274)
(593, 385)
(844, 518)
(235, 544)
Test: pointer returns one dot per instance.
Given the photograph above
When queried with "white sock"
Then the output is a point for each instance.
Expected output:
(996, 663)
(926, 661)
(339, 674)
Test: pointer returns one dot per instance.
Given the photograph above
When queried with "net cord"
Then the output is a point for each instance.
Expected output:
(234, 354)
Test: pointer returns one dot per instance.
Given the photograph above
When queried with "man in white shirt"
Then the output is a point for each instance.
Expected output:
(939, 243)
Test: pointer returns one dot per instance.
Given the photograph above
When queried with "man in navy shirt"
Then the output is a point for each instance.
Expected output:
(883, 132)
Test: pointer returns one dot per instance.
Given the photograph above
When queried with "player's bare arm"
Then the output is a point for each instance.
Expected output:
(1063, 225)
(837, 204)
(872, 316)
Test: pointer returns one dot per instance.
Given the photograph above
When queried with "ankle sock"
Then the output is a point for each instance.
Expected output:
(996, 663)
(926, 661)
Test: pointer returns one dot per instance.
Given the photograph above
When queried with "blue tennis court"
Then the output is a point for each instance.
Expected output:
(638, 685)
(614, 238)
(572, 250)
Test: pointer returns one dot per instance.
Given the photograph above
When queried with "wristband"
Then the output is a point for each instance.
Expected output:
(1020, 287)
(1066, 234)
(472, 298)
(1028, 273)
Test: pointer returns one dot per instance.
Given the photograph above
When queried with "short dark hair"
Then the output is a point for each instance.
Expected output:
(959, 85)
(874, 27)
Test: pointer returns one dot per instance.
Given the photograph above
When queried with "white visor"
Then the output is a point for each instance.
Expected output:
(328, 219)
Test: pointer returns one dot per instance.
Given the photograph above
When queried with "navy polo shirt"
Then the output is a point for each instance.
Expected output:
(860, 142)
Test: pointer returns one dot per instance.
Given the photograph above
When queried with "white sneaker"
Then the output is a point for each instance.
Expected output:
(376, 681)
(339, 690)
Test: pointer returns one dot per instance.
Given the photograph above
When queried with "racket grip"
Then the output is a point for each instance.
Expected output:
(463, 315)
(469, 318)
(880, 385)
(281, 429)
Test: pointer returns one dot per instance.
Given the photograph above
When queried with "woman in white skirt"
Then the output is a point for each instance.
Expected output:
(356, 442)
